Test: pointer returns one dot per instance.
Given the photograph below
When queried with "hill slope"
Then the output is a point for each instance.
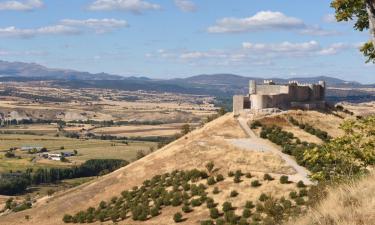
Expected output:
(348, 204)
(192, 151)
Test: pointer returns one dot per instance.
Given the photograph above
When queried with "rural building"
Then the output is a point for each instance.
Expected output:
(281, 96)
(29, 148)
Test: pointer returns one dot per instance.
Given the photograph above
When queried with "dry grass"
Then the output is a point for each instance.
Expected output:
(192, 151)
(140, 130)
(351, 204)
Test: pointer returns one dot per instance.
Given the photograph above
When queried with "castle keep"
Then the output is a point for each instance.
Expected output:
(282, 96)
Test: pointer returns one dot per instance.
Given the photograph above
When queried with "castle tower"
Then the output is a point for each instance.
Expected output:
(252, 87)
(322, 83)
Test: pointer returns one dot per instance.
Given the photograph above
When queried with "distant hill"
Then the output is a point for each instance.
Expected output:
(33, 70)
(223, 85)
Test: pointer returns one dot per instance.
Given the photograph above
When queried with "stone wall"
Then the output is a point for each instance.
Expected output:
(238, 104)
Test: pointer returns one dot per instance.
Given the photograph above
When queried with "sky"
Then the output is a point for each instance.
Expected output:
(180, 38)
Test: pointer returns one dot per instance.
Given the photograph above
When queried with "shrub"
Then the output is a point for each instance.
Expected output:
(207, 222)
(302, 193)
(196, 202)
(154, 211)
(219, 178)
(300, 184)
(214, 213)
(216, 191)
(230, 217)
(211, 181)
(255, 124)
(230, 174)
(293, 194)
(237, 179)
(246, 213)
(210, 203)
(248, 175)
(177, 217)
(67, 218)
(176, 201)
(220, 221)
(210, 166)
(256, 217)
(233, 194)
(267, 177)
(255, 183)
(259, 207)
(299, 201)
(284, 179)
(249, 205)
(243, 221)
(227, 206)
(186, 209)
(263, 197)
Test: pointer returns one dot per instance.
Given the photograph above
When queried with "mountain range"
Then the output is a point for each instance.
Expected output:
(213, 84)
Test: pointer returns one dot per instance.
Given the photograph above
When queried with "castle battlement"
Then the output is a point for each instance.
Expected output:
(282, 96)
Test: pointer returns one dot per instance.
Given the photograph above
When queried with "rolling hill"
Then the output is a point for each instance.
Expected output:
(210, 143)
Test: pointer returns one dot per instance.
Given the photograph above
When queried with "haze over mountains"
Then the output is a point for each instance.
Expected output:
(214, 84)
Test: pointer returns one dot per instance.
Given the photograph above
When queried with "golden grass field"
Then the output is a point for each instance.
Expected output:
(141, 130)
(191, 151)
(347, 204)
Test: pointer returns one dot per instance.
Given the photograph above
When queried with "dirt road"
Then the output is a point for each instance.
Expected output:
(254, 143)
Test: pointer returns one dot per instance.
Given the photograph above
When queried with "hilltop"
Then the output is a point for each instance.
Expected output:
(211, 143)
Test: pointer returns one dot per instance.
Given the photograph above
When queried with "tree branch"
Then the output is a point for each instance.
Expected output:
(370, 7)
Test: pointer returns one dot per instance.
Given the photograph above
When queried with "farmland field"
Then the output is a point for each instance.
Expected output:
(87, 149)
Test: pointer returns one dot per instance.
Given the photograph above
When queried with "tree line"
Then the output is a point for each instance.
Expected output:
(16, 183)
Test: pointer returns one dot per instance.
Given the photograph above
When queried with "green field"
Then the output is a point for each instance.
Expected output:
(87, 149)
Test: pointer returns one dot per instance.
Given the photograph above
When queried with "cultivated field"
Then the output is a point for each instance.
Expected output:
(87, 149)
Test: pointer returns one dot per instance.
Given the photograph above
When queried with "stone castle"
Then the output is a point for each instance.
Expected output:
(281, 96)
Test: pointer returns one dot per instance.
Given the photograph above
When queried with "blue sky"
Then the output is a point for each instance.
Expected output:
(180, 38)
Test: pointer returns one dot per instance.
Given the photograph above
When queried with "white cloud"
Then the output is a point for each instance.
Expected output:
(28, 33)
(135, 6)
(99, 25)
(318, 31)
(21, 5)
(65, 27)
(283, 49)
(250, 53)
(335, 49)
(267, 20)
(263, 20)
(185, 5)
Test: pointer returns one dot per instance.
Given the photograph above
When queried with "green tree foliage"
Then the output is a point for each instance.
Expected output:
(214, 213)
(363, 12)
(11, 184)
(177, 217)
(347, 155)
(185, 129)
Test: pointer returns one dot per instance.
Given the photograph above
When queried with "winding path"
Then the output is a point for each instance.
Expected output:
(254, 143)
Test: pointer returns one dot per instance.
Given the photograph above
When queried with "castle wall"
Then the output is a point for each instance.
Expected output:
(300, 93)
(238, 104)
(272, 89)
(280, 96)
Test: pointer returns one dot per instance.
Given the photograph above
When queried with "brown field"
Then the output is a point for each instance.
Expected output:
(141, 130)
(103, 104)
